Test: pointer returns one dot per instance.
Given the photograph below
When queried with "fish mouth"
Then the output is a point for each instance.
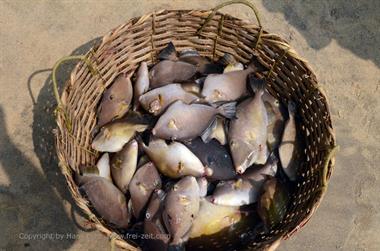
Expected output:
(240, 169)
(207, 172)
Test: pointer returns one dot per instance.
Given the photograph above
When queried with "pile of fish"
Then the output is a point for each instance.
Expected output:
(192, 148)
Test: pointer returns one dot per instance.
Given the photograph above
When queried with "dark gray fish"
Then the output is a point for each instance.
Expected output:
(276, 120)
(142, 185)
(153, 224)
(273, 202)
(258, 174)
(185, 122)
(108, 201)
(289, 150)
(180, 208)
(215, 156)
(115, 101)
(167, 72)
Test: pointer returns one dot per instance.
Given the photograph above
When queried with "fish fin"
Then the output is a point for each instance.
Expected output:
(188, 53)
(256, 84)
(226, 60)
(272, 159)
(206, 135)
(292, 108)
(200, 81)
(227, 110)
(90, 170)
(168, 53)
(212, 68)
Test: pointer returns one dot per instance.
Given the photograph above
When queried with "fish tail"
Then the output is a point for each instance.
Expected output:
(188, 53)
(227, 110)
(272, 159)
(206, 135)
(292, 108)
(257, 85)
(200, 81)
(227, 59)
(168, 53)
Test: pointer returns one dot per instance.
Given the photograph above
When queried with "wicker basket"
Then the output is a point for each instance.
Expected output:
(289, 77)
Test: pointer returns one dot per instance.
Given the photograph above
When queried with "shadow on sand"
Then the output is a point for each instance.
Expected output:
(353, 24)
(32, 207)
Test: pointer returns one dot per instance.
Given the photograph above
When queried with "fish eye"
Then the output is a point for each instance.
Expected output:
(111, 97)
(210, 159)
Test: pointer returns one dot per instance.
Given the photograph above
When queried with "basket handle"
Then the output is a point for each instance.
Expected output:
(244, 2)
(60, 106)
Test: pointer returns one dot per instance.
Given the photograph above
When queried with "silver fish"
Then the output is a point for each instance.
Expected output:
(123, 165)
(115, 101)
(273, 202)
(157, 100)
(227, 86)
(107, 200)
(289, 150)
(275, 120)
(113, 137)
(213, 218)
(184, 122)
(143, 183)
(142, 83)
(153, 224)
(235, 193)
(248, 133)
(180, 208)
(166, 72)
(174, 160)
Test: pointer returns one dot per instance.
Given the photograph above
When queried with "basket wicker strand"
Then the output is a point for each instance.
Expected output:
(288, 76)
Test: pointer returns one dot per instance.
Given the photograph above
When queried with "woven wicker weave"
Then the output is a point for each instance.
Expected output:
(122, 50)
